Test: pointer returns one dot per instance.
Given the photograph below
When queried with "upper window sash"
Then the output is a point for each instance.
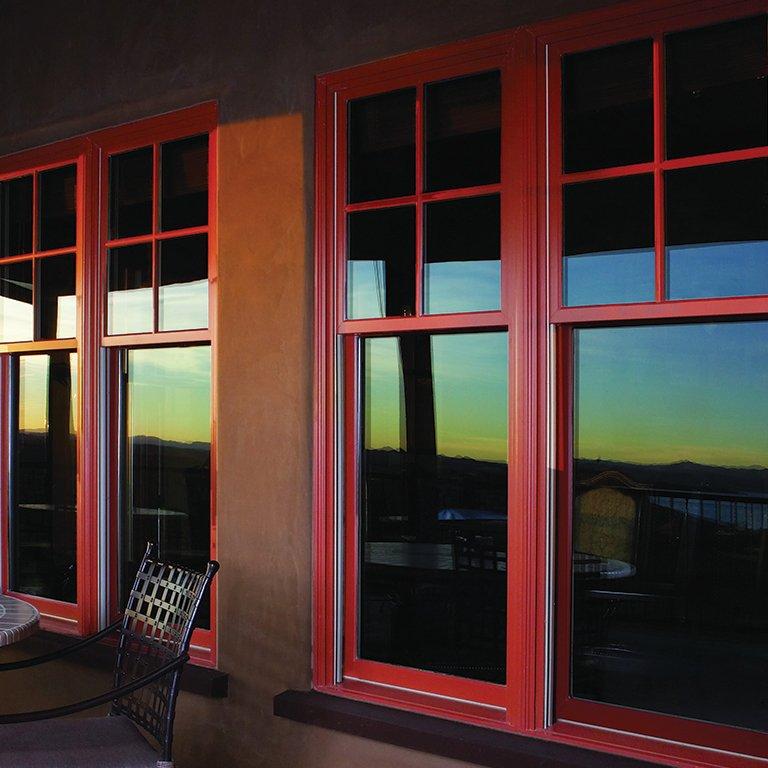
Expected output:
(646, 145)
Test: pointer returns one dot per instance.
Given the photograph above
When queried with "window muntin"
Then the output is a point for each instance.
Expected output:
(166, 458)
(433, 503)
(43, 489)
(157, 249)
(670, 517)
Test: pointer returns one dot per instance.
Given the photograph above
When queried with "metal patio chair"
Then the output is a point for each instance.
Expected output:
(153, 643)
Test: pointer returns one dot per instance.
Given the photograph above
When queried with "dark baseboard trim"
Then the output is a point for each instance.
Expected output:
(203, 681)
(470, 743)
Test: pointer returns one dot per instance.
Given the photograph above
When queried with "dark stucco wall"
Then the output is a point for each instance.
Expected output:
(67, 68)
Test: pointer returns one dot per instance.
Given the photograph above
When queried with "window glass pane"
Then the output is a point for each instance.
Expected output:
(382, 146)
(129, 302)
(58, 208)
(608, 241)
(166, 447)
(16, 216)
(717, 90)
(463, 129)
(183, 283)
(130, 193)
(717, 230)
(381, 266)
(43, 528)
(184, 182)
(462, 266)
(16, 318)
(670, 520)
(608, 107)
(433, 503)
(56, 296)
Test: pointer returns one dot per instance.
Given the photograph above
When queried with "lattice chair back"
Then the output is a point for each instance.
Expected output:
(157, 626)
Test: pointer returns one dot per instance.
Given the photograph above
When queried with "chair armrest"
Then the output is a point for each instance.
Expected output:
(53, 655)
(96, 701)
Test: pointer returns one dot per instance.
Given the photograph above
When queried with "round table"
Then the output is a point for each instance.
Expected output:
(17, 620)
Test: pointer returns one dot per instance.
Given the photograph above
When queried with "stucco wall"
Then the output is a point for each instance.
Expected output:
(71, 67)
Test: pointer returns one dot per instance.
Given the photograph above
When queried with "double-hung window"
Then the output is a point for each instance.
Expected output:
(106, 313)
(542, 452)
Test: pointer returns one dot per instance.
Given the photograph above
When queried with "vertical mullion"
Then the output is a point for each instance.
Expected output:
(35, 213)
(658, 174)
(420, 149)
(155, 230)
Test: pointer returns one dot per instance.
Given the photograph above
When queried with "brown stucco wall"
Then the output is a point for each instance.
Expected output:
(70, 67)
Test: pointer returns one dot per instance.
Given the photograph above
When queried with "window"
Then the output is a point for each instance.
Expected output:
(106, 364)
(541, 456)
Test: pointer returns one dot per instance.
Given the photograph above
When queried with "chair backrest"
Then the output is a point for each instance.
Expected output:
(159, 617)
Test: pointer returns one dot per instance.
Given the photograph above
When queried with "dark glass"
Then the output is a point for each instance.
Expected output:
(462, 257)
(381, 264)
(716, 87)
(463, 131)
(43, 499)
(670, 520)
(56, 297)
(382, 146)
(166, 459)
(58, 208)
(608, 241)
(608, 107)
(16, 316)
(130, 193)
(16, 216)
(183, 293)
(717, 230)
(433, 503)
(184, 183)
(129, 301)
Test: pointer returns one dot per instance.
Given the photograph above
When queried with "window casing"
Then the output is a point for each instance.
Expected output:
(632, 279)
(71, 318)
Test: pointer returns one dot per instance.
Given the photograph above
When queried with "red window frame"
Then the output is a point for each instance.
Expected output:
(540, 397)
(153, 132)
(65, 618)
(90, 153)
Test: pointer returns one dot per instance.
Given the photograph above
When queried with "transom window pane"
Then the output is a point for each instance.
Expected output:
(56, 297)
(462, 257)
(433, 502)
(183, 275)
(608, 107)
(381, 264)
(670, 520)
(16, 313)
(129, 301)
(184, 183)
(43, 495)
(382, 146)
(717, 89)
(58, 208)
(166, 454)
(130, 193)
(463, 131)
(717, 230)
(16, 216)
(608, 241)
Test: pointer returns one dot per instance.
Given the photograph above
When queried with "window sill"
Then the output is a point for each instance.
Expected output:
(211, 683)
(436, 736)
